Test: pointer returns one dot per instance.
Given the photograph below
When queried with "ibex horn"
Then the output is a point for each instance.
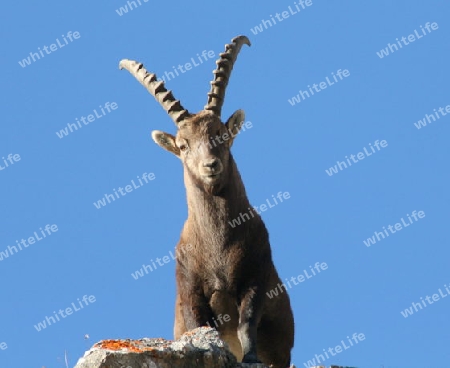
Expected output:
(157, 89)
(222, 74)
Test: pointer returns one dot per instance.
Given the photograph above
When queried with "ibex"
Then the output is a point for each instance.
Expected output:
(226, 270)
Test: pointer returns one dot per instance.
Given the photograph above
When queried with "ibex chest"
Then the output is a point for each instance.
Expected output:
(215, 265)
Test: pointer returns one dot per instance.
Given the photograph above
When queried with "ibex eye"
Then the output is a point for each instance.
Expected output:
(183, 145)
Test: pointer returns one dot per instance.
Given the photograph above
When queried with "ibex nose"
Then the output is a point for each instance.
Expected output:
(212, 163)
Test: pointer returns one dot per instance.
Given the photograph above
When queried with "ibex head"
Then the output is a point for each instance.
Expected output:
(202, 141)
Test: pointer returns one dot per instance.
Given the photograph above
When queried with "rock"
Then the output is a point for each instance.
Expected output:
(331, 366)
(199, 348)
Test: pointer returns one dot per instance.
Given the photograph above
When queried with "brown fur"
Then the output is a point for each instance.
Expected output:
(225, 270)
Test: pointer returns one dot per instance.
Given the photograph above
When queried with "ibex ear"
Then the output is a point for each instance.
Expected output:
(166, 141)
(234, 124)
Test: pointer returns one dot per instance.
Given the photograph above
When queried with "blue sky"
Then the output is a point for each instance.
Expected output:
(48, 180)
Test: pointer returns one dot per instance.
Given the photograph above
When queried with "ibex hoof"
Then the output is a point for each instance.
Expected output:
(250, 358)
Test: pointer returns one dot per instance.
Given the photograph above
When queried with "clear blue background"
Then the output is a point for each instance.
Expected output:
(288, 149)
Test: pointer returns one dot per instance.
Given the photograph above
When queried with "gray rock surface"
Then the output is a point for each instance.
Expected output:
(199, 348)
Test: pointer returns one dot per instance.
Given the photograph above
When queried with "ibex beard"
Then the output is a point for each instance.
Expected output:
(225, 270)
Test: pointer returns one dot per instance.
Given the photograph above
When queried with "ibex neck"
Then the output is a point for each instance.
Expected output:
(214, 212)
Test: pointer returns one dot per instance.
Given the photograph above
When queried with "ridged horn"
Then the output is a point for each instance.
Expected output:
(222, 74)
(157, 89)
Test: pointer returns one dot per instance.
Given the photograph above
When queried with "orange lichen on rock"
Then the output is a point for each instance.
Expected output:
(130, 345)
(117, 345)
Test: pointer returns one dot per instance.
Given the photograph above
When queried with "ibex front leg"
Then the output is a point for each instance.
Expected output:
(195, 308)
(249, 316)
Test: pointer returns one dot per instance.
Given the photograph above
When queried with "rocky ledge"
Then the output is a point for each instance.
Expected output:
(199, 348)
